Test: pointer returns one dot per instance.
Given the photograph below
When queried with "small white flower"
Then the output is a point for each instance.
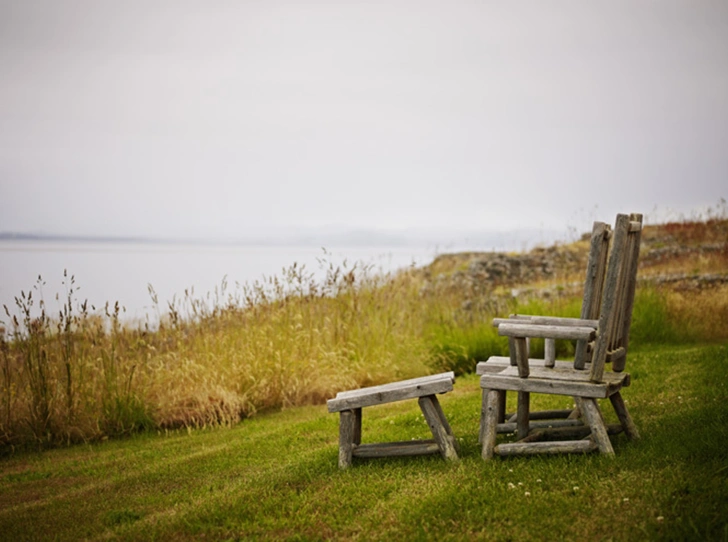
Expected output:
(527, 493)
(660, 519)
(576, 488)
(520, 483)
(625, 500)
(510, 485)
(538, 480)
(510, 470)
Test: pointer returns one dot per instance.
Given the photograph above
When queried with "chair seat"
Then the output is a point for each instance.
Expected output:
(394, 391)
(558, 380)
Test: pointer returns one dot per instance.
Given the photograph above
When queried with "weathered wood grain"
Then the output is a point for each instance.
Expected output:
(444, 439)
(566, 374)
(521, 348)
(611, 300)
(524, 406)
(512, 427)
(559, 321)
(518, 329)
(397, 449)
(531, 448)
(630, 429)
(595, 274)
(580, 354)
(600, 390)
(496, 364)
(490, 420)
(593, 417)
(634, 249)
(443, 421)
(545, 415)
(347, 430)
(396, 391)
(356, 439)
(561, 433)
(502, 406)
(549, 358)
(396, 385)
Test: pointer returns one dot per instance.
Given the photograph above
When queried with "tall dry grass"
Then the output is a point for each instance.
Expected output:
(290, 340)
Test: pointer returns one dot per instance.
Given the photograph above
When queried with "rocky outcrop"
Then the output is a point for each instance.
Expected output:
(479, 274)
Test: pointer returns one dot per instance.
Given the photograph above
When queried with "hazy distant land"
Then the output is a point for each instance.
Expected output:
(331, 237)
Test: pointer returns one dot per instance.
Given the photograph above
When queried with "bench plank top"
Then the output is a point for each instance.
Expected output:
(394, 391)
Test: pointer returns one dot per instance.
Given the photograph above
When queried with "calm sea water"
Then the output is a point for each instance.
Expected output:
(122, 272)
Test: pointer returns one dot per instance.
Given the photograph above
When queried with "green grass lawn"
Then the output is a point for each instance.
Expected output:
(275, 476)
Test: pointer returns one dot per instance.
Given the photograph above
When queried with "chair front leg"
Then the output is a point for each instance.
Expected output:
(593, 416)
(501, 412)
(492, 399)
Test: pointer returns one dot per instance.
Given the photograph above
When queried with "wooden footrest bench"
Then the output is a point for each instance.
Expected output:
(349, 405)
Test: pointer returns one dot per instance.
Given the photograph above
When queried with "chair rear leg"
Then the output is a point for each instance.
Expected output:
(524, 407)
(502, 406)
(630, 429)
(575, 413)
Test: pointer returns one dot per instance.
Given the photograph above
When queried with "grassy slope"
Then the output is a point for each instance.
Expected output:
(275, 476)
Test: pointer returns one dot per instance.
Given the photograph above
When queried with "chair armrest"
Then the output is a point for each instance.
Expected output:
(526, 329)
(546, 321)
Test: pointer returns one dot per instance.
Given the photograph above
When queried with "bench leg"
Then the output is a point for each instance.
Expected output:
(439, 426)
(444, 422)
(347, 436)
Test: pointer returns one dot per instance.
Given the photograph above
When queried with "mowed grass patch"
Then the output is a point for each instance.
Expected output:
(276, 477)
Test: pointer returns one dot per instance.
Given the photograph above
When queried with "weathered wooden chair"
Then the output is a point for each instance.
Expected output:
(349, 405)
(591, 303)
(585, 384)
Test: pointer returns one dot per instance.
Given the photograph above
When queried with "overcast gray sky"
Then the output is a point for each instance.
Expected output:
(236, 118)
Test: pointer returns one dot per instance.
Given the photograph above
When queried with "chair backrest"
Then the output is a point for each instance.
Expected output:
(596, 271)
(615, 316)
